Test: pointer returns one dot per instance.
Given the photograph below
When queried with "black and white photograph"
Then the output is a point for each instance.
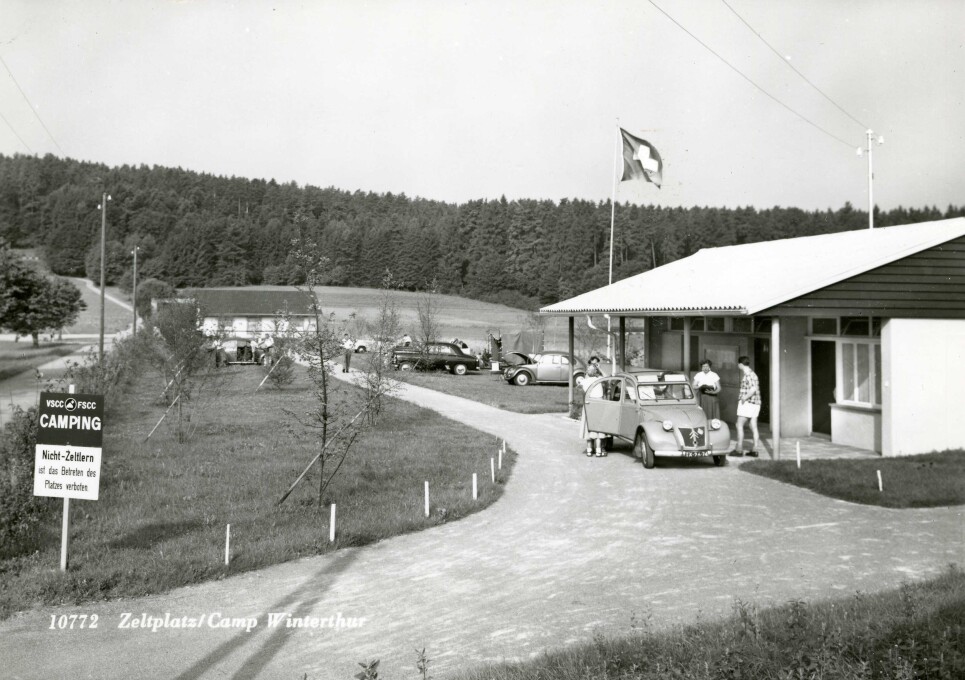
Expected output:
(482, 340)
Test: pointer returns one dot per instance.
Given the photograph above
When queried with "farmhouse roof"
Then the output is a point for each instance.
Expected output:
(747, 279)
(250, 302)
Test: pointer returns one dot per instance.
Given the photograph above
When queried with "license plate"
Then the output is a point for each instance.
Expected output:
(693, 454)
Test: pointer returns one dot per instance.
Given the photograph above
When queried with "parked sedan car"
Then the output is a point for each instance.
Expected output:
(546, 367)
(432, 356)
(658, 412)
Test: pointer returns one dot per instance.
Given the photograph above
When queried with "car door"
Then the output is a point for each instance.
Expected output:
(629, 411)
(603, 405)
(544, 367)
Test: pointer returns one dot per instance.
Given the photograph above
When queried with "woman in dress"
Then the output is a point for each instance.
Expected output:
(707, 386)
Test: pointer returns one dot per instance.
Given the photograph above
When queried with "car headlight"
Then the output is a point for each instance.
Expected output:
(714, 424)
(667, 425)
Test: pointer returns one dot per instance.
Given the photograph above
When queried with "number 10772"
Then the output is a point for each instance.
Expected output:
(72, 621)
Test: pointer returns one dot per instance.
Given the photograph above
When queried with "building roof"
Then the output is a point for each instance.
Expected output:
(747, 279)
(250, 302)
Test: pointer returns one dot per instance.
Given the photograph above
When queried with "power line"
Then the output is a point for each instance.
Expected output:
(747, 78)
(791, 66)
(26, 146)
(32, 109)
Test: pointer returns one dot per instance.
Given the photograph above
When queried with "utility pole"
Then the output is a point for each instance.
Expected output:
(103, 206)
(871, 199)
(134, 292)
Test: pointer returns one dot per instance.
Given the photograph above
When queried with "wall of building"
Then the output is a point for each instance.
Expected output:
(923, 367)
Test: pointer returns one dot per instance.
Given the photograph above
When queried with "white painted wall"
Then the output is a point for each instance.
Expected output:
(923, 386)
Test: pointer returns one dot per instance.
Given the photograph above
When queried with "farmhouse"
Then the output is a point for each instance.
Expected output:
(246, 313)
(859, 335)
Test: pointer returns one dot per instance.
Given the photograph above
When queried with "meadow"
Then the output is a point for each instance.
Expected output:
(161, 518)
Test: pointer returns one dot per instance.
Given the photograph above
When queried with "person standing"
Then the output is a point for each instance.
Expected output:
(748, 407)
(348, 345)
(707, 386)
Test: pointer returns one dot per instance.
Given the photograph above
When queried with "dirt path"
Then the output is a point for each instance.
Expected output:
(576, 545)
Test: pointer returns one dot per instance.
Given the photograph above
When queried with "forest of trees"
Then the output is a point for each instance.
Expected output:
(195, 229)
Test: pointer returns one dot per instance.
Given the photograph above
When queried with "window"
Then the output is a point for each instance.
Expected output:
(856, 325)
(697, 324)
(824, 326)
(762, 325)
(742, 324)
(860, 373)
(714, 323)
(676, 323)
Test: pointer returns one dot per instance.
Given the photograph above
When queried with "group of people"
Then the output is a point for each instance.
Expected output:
(707, 386)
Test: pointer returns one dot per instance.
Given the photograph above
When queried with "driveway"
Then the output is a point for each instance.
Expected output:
(576, 545)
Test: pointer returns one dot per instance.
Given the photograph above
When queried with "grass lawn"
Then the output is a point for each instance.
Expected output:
(485, 388)
(912, 632)
(924, 481)
(160, 520)
(17, 357)
(116, 318)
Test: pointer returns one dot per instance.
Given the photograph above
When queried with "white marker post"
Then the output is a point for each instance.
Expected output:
(475, 495)
(798, 455)
(331, 526)
(227, 544)
(880, 487)
(500, 464)
(427, 499)
(492, 469)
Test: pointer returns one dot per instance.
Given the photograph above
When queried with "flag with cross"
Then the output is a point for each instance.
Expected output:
(640, 160)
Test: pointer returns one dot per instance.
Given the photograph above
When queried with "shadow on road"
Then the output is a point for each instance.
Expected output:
(304, 597)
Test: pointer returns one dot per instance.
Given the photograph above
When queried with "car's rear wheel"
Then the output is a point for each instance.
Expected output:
(459, 369)
(521, 379)
(577, 377)
(719, 461)
(360, 349)
(406, 366)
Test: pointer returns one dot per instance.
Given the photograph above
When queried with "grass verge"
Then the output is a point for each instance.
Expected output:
(18, 357)
(912, 632)
(923, 481)
(485, 388)
(160, 520)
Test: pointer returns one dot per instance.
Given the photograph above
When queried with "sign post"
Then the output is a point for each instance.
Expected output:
(67, 462)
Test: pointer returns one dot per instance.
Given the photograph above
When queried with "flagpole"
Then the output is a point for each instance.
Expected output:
(613, 209)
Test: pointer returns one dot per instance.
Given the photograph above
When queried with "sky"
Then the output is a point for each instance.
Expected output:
(456, 101)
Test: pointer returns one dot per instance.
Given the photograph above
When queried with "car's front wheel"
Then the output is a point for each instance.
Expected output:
(460, 369)
(406, 366)
(361, 349)
(642, 449)
(521, 379)
(719, 461)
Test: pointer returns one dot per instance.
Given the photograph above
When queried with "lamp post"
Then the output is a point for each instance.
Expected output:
(103, 208)
(871, 200)
(134, 292)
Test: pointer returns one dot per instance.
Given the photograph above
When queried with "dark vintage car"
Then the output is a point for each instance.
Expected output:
(658, 412)
(545, 367)
(434, 355)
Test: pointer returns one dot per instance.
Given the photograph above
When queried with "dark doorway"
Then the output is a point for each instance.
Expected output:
(822, 385)
(762, 366)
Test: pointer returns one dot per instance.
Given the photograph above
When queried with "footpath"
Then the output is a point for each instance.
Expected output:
(575, 546)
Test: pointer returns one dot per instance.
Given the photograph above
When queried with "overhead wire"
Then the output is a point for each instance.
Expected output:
(25, 145)
(749, 80)
(32, 109)
(791, 66)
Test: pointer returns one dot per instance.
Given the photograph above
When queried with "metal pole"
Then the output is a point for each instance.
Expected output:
(134, 294)
(613, 208)
(103, 256)
(871, 200)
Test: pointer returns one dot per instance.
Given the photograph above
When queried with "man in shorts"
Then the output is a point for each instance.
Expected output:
(748, 407)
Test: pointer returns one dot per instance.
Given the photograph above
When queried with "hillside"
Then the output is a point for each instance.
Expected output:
(196, 229)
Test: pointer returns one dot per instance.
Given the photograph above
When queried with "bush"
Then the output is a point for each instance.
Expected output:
(20, 510)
